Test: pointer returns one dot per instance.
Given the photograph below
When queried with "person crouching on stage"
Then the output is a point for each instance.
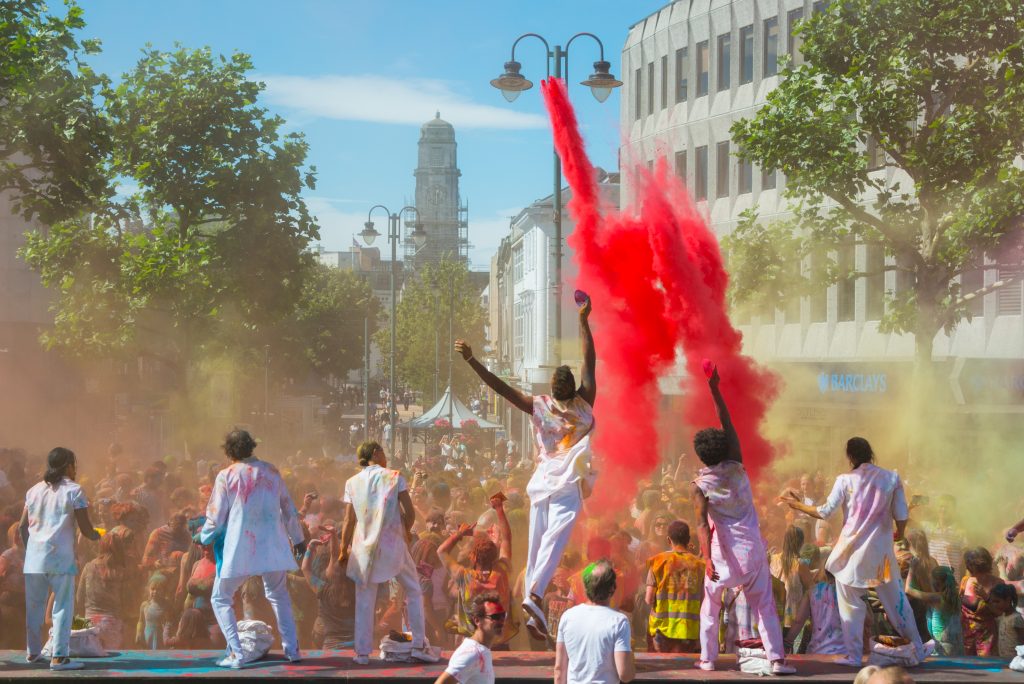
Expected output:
(872, 500)
(562, 425)
(374, 543)
(250, 508)
(731, 540)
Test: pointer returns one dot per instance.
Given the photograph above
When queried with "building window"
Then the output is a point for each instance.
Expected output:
(722, 169)
(746, 177)
(681, 165)
(819, 299)
(794, 41)
(702, 68)
(820, 6)
(771, 47)
(972, 280)
(847, 284)
(874, 290)
(517, 262)
(875, 154)
(700, 180)
(724, 50)
(682, 72)
(664, 81)
(747, 54)
(528, 251)
(637, 99)
(1009, 299)
(517, 331)
(650, 87)
(769, 179)
(791, 307)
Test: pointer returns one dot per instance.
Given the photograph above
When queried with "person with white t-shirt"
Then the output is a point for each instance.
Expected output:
(594, 641)
(471, 663)
(53, 508)
(374, 544)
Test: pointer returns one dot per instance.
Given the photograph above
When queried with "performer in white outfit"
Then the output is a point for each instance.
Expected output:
(731, 540)
(562, 425)
(53, 509)
(251, 513)
(872, 501)
(375, 544)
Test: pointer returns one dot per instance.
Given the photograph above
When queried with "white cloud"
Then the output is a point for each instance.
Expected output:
(389, 100)
(337, 227)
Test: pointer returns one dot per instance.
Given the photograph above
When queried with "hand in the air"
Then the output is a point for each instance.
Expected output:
(585, 309)
(713, 380)
(466, 530)
(462, 347)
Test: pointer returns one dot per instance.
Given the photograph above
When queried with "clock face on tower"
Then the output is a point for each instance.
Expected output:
(436, 194)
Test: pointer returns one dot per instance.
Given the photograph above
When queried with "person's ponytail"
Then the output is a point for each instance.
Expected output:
(365, 453)
(57, 463)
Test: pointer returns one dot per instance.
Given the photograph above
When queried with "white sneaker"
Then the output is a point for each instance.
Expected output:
(848, 662)
(540, 623)
(706, 665)
(781, 668)
(361, 660)
(294, 657)
(29, 658)
(67, 665)
(425, 655)
(230, 661)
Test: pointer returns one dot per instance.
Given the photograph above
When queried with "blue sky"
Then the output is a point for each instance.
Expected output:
(358, 78)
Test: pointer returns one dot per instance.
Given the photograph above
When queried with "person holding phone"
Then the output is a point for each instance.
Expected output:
(562, 425)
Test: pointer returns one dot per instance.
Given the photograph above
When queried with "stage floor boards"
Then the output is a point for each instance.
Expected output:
(510, 667)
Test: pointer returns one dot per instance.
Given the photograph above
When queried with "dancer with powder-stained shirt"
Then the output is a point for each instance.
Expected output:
(562, 425)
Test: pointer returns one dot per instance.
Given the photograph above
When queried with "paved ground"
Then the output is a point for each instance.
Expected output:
(511, 667)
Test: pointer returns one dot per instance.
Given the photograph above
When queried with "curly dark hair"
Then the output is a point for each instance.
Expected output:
(484, 552)
(711, 446)
(563, 384)
(239, 444)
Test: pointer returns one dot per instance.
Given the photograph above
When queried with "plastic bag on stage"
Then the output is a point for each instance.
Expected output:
(398, 648)
(256, 637)
(85, 643)
(902, 656)
(753, 661)
(1017, 664)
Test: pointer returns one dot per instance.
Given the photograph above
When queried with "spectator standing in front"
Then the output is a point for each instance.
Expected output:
(675, 586)
(471, 663)
(594, 641)
(53, 508)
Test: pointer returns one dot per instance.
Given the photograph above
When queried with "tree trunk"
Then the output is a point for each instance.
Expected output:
(924, 384)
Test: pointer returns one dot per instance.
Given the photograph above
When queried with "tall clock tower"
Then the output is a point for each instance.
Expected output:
(441, 211)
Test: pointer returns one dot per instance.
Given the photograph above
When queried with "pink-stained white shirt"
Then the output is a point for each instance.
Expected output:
(827, 629)
(51, 527)
(252, 508)
(562, 431)
(871, 499)
(737, 547)
(379, 547)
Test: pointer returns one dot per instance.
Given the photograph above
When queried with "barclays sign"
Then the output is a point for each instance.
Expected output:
(852, 383)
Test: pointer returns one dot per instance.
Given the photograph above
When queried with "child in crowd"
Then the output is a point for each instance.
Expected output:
(154, 614)
(983, 599)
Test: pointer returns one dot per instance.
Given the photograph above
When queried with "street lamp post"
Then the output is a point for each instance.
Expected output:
(419, 236)
(601, 83)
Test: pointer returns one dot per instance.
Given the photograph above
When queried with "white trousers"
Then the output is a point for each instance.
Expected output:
(551, 523)
(757, 590)
(853, 610)
(37, 591)
(366, 604)
(275, 584)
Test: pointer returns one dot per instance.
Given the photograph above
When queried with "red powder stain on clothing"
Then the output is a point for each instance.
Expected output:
(658, 282)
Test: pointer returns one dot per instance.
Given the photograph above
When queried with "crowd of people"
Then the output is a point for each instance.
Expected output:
(479, 549)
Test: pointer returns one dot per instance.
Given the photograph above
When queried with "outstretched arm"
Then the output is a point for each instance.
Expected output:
(521, 401)
(588, 378)
(723, 417)
(791, 499)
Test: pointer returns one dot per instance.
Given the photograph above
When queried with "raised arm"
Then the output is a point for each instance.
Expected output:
(521, 401)
(588, 378)
(444, 551)
(723, 417)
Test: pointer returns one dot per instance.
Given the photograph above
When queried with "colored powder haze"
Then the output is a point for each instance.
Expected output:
(656, 277)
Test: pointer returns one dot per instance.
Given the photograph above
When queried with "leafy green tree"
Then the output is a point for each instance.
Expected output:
(325, 330)
(53, 137)
(205, 254)
(431, 298)
(932, 89)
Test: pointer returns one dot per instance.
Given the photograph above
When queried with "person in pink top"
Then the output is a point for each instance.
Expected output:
(731, 540)
(873, 502)
(562, 425)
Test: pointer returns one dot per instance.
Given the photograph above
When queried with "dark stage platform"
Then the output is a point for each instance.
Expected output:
(511, 667)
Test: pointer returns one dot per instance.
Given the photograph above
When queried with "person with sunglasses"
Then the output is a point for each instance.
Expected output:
(471, 662)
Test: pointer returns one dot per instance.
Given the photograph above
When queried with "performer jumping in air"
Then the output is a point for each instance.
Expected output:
(872, 499)
(730, 539)
(562, 425)
(374, 543)
(251, 510)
